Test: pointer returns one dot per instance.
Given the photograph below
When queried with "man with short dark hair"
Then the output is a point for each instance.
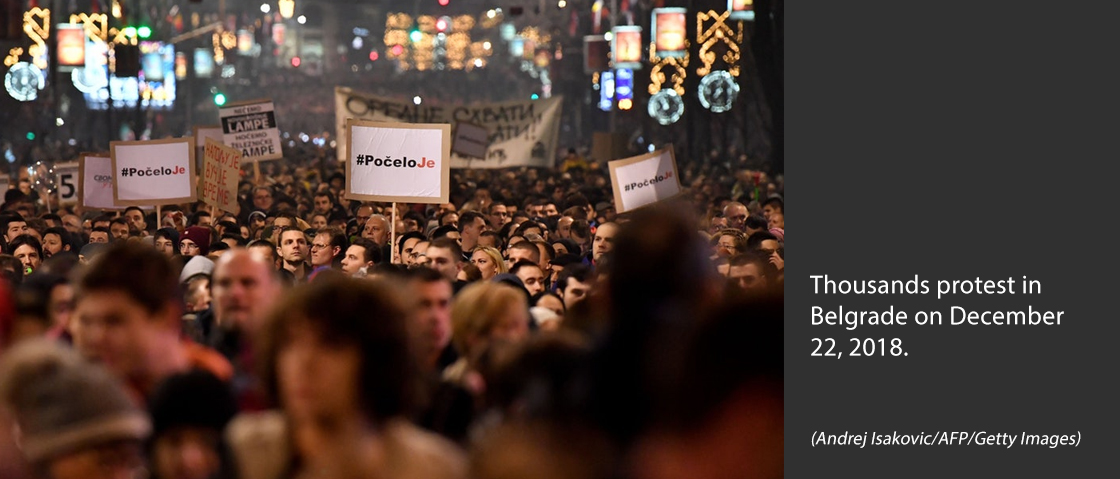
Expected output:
(324, 203)
(293, 251)
(405, 243)
(446, 256)
(530, 275)
(135, 217)
(574, 284)
(449, 218)
(523, 251)
(773, 205)
(12, 224)
(362, 253)
(471, 226)
(129, 319)
(433, 314)
(99, 234)
(748, 273)
(499, 216)
(119, 229)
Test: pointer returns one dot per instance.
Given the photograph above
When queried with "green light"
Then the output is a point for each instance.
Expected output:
(144, 32)
(415, 36)
(534, 96)
(220, 99)
(130, 31)
(30, 135)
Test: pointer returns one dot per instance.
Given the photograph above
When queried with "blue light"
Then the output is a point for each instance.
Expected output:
(606, 90)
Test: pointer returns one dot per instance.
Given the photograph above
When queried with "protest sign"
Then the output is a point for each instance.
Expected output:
(201, 133)
(95, 181)
(645, 179)
(156, 172)
(521, 133)
(66, 183)
(398, 162)
(221, 172)
(250, 127)
(471, 140)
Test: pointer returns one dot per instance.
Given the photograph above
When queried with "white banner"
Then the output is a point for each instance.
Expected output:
(95, 181)
(644, 180)
(250, 127)
(153, 172)
(398, 162)
(66, 183)
(522, 133)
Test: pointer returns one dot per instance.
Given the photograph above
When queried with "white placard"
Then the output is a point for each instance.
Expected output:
(250, 128)
(201, 133)
(398, 162)
(156, 172)
(644, 180)
(66, 183)
(95, 181)
(471, 140)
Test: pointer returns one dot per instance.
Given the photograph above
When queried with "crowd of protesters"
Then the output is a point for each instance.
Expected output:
(523, 329)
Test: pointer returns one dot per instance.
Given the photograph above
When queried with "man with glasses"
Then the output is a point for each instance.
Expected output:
(736, 214)
(262, 198)
(327, 248)
(499, 216)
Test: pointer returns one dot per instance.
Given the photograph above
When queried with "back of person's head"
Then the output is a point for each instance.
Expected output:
(140, 271)
(343, 312)
(581, 228)
(442, 231)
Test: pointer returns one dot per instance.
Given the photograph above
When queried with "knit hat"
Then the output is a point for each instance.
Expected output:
(195, 399)
(779, 232)
(200, 235)
(197, 265)
(64, 404)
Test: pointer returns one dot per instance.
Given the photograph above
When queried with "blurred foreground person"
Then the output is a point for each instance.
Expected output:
(98, 436)
(726, 415)
(337, 359)
(128, 316)
(189, 411)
